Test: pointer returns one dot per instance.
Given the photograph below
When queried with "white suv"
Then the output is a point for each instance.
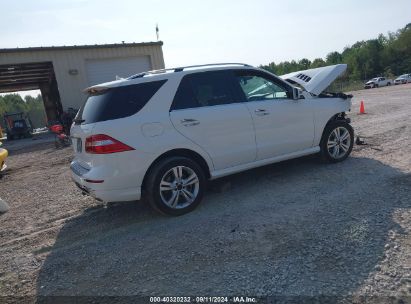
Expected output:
(161, 135)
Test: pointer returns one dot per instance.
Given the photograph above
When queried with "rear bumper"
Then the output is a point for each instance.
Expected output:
(119, 195)
(99, 192)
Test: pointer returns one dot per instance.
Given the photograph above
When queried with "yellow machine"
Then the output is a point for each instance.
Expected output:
(3, 155)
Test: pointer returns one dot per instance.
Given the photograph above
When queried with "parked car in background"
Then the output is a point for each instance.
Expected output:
(403, 79)
(3, 155)
(377, 82)
(162, 134)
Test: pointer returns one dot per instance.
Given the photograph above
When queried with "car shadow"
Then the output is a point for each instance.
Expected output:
(297, 228)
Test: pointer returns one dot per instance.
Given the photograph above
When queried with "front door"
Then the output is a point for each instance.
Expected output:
(282, 125)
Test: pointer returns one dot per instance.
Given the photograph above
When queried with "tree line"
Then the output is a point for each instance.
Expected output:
(388, 55)
(33, 106)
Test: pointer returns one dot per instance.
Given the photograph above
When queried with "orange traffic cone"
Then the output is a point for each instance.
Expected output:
(362, 109)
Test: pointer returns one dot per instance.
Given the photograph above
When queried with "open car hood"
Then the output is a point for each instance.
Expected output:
(316, 80)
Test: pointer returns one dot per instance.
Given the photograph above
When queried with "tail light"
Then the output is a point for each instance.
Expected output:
(104, 144)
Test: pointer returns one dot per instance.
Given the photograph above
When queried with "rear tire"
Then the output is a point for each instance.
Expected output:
(337, 141)
(175, 186)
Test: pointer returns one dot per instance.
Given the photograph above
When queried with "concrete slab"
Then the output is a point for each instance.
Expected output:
(27, 143)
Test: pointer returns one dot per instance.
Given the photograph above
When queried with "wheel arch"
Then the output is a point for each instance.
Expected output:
(182, 153)
(338, 116)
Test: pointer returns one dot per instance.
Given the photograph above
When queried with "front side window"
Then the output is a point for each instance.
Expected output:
(257, 87)
(203, 90)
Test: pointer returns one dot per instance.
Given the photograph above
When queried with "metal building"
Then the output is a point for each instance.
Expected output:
(63, 72)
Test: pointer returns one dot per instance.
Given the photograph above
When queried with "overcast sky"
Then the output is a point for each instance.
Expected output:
(195, 32)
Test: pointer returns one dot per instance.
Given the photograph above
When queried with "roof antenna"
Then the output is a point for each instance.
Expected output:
(157, 32)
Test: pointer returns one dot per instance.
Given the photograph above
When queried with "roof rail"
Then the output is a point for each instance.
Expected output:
(211, 64)
(180, 69)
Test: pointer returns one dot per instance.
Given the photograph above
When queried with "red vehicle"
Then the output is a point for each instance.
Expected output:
(61, 138)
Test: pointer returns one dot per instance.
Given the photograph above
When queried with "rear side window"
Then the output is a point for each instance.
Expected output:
(117, 102)
(204, 89)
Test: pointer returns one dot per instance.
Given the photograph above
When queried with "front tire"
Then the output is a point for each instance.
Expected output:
(337, 141)
(175, 186)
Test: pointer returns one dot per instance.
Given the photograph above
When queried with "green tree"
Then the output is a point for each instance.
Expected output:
(33, 106)
(387, 55)
(318, 62)
(304, 63)
(333, 58)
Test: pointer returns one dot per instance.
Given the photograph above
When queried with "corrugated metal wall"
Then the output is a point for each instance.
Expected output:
(71, 86)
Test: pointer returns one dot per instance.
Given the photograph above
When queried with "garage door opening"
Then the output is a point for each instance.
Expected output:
(33, 76)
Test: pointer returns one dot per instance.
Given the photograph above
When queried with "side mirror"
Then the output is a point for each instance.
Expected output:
(297, 93)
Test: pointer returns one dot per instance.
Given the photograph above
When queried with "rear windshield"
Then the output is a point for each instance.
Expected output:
(117, 102)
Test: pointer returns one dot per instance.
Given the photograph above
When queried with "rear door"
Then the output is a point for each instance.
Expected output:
(282, 125)
(208, 111)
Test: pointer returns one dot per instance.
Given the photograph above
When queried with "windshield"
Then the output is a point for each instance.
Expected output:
(403, 76)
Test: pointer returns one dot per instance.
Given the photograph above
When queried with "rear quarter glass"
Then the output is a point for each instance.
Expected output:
(118, 102)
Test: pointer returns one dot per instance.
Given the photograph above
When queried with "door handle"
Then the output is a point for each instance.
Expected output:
(188, 122)
(261, 112)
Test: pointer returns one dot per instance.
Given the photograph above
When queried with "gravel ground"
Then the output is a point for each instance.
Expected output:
(299, 228)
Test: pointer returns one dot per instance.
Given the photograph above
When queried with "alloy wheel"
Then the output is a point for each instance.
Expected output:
(339, 142)
(179, 187)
